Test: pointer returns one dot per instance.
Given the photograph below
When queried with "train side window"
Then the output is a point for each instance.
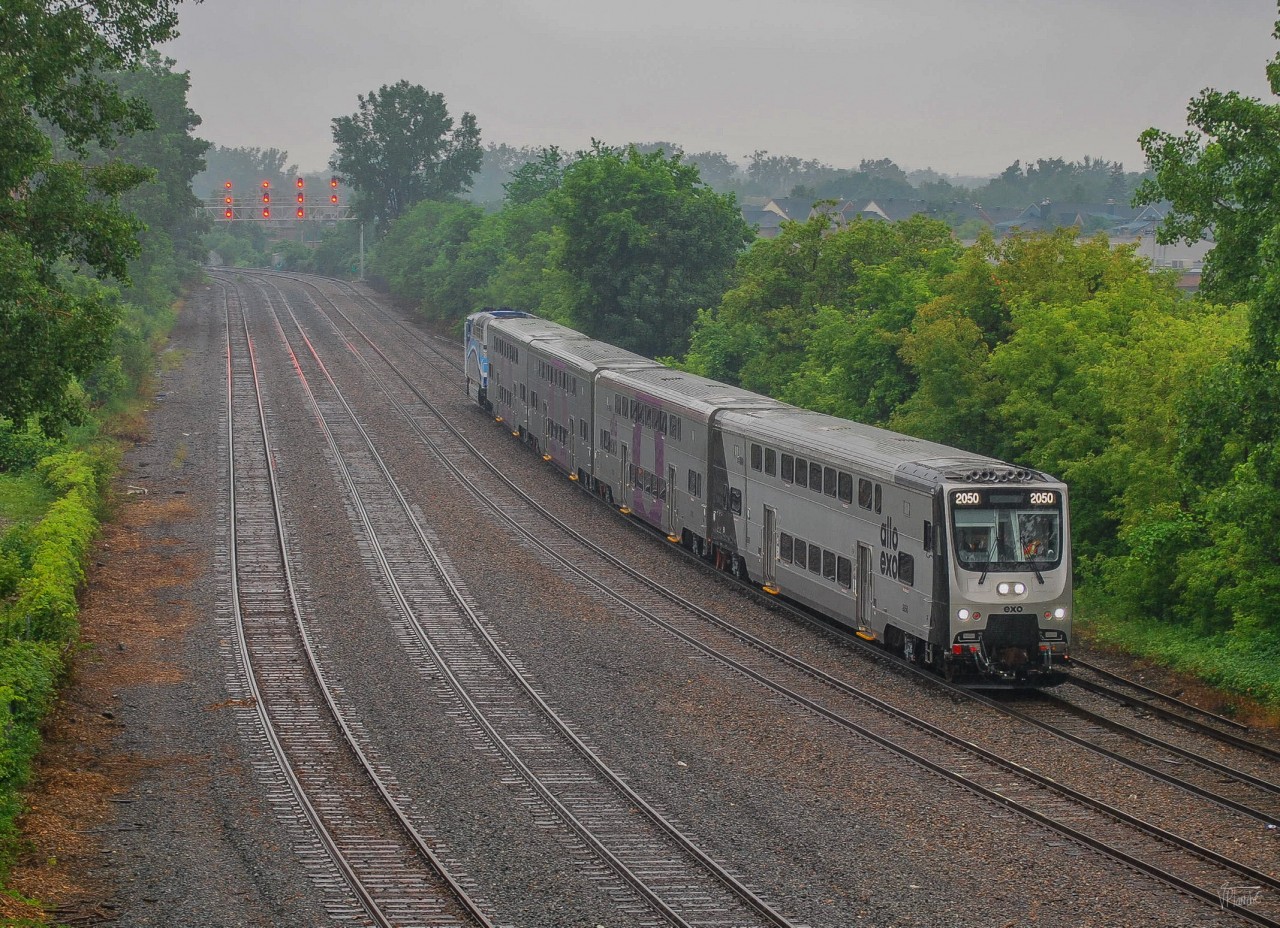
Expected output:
(815, 559)
(661, 425)
(626, 407)
(877, 497)
(695, 484)
(735, 501)
(846, 488)
(864, 493)
(815, 477)
(771, 462)
(533, 397)
(829, 565)
(802, 472)
(844, 572)
(928, 535)
(800, 549)
(673, 427)
(584, 428)
(784, 547)
(829, 482)
(906, 569)
(524, 396)
(788, 468)
(757, 457)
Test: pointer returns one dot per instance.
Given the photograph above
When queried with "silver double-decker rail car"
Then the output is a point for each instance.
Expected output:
(954, 560)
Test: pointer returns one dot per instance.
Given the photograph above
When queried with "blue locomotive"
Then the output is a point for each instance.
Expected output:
(955, 560)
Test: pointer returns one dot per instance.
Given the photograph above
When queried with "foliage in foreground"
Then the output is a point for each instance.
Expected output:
(41, 569)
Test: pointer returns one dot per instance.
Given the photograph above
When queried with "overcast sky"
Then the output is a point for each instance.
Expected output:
(962, 86)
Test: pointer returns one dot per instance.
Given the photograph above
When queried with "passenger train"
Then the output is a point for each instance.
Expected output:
(954, 560)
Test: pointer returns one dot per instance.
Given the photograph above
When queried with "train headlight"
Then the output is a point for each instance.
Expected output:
(1019, 588)
(963, 615)
(1004, 588)
(1060, 613)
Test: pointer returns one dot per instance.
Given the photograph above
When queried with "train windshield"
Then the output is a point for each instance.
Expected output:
(1007, 529)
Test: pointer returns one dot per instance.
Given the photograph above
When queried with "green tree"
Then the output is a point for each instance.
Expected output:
(1222, 175)
(646, 244)
(418, 258)
(60, 213)
(816, 315)
(536, 178)
(401, 147)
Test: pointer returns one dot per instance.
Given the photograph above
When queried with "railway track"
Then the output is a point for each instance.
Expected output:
(663, 870)
(363, 853)
(1169, 857)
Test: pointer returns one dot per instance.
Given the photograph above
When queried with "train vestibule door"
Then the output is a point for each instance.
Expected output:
(624, 478)
(863, 592)
(769, 550)
(670, 516)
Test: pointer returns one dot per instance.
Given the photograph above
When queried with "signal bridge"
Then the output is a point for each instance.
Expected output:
(277, 210)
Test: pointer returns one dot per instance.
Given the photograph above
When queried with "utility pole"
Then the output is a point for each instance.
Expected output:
(362, 251)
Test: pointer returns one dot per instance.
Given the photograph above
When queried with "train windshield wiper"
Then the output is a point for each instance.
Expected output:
(983, 577)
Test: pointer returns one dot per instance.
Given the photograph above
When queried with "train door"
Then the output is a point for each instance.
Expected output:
(768, 569)
(864, 591)
(624, 478)
(670, 516)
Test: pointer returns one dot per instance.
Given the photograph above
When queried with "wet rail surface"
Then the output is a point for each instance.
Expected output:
(364, 854)
(1175, 859)
(656, 873)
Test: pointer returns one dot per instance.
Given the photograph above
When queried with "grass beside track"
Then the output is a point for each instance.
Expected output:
(1248, 666)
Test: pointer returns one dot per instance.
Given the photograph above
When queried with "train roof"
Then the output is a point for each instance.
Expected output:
(592, 353)
(691, 390)
(527, 328)
(912, 461)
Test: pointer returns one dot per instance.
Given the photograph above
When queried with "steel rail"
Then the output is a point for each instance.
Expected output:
(1208, 895)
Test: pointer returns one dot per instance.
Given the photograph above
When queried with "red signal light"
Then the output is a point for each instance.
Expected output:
(228, 214)
(266, 212)
(266, 198)
(333, 198)
(333, 181)
(227, 184)
(266, 184)
(298, 182)
(302, 198)
(300, 212)
(226, 200)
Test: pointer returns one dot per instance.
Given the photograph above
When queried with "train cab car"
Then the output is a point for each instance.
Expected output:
(880, 531)
(655, 455)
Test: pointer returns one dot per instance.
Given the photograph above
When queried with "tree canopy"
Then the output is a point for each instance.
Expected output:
(401, 147)
(56, 212)
(646, 244)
